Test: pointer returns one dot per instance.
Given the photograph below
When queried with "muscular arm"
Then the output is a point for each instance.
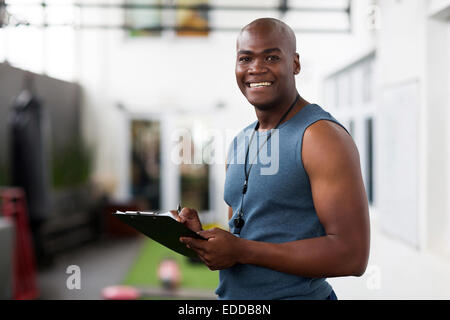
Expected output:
(332, 163)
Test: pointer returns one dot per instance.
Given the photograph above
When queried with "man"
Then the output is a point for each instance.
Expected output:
(308, 221)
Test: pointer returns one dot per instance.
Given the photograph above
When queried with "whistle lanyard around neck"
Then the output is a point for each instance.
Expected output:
(239, 221)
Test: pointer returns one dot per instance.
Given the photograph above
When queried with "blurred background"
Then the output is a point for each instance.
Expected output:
(112, 105)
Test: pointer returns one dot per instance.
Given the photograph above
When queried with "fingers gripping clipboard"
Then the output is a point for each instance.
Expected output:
(162, 228)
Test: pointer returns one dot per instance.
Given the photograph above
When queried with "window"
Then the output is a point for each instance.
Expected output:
(151, 17)
(144, 22)
(191, 20)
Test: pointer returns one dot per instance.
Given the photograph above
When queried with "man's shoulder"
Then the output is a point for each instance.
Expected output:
(327, 127)
(327, 141)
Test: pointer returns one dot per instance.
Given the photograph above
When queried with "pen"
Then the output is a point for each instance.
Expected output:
(179, 208)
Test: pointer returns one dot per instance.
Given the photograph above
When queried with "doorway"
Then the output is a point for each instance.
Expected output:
(145, 163)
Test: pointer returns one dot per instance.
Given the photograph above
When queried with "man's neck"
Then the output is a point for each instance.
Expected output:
(268, 119)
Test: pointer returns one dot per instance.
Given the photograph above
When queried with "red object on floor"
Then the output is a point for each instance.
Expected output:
(120, 293)
(169, 273)
(13, 206)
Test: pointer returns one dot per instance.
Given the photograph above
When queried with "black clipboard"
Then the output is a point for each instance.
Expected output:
(162, 228)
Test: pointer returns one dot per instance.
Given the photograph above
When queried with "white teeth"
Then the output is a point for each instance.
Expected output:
(260, 84)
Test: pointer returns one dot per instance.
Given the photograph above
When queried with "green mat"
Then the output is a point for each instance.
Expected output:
(144, 271)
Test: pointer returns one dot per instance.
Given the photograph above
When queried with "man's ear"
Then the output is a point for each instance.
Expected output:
(297, 66)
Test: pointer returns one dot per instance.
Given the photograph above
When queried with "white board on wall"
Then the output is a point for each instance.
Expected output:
(397, 161)
(447, 231)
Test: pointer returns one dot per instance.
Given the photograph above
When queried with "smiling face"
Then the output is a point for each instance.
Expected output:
(266, 64)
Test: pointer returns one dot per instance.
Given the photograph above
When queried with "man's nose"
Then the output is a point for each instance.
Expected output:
(257, 67)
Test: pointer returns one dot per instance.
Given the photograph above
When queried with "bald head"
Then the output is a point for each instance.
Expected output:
(271, 26)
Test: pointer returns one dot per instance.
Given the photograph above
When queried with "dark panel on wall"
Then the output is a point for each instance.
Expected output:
(60, 100)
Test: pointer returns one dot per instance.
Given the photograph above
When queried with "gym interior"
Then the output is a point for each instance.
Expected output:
(131, 105)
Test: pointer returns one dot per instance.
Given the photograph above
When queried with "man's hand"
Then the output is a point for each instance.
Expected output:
(189, 217)
(219, 251)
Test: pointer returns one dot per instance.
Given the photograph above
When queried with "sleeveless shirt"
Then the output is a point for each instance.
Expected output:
(277, 207)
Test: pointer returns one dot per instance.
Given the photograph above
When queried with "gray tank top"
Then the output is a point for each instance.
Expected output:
(277, 207)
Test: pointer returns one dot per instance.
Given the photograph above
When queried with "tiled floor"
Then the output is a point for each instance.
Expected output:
(101, 264)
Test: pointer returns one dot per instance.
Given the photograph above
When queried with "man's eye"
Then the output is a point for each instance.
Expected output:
(272, 58)
(244, 59)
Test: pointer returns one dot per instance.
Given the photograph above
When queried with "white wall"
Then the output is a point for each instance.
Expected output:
(438, 104)
(447, 240)
(413, 84)
(401, 105)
